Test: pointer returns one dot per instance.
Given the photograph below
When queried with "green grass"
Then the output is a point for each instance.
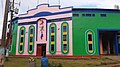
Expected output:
(18, 62)
(23, 62)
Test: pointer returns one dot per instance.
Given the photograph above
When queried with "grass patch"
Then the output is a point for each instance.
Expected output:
(23, 62)
(53, 64)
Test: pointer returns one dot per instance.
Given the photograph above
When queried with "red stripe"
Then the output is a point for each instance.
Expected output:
(58, 56)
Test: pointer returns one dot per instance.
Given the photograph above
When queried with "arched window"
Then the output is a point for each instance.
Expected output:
(90, 42)
(31, 38)
(21, 40)
(52, 38)
(65, 38)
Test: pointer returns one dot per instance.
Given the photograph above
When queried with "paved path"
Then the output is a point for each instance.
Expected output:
(117, 58)
(110, 65)
(114, 57)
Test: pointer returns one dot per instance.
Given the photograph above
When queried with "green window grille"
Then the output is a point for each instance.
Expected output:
(52, 38)
(65, 38)
(21, 40)
(31, 38)
(90, 42)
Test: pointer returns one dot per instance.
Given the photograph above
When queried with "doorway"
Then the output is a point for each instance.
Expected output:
(41, 49)
(108, 42)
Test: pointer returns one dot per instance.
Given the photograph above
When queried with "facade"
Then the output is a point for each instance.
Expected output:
(66, 32)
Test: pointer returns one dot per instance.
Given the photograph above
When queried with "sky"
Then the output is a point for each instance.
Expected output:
(29, 4)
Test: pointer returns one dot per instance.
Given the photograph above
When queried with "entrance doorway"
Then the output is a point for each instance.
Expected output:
(108, 42)
(41, 49)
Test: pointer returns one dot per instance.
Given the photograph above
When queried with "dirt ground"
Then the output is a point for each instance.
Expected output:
(115, 58)
(105, 61)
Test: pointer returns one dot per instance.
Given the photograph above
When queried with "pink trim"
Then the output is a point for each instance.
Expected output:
(44, 8)
(47, 17)
(41, 24)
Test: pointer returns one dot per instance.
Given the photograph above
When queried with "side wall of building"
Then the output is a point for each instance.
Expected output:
(93, 21)
(14, 37)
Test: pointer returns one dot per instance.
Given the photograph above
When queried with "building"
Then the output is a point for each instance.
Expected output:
(66, 32)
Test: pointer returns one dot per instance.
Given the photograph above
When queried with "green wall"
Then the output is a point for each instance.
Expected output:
(81, 24)
(14, 38)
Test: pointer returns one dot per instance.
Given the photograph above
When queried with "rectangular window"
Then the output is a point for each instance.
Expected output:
(30, 47)
(52, 38)
(83, 14)
(20, 47)
(53, 20)
(52, 47)
(65, 19)
(52, 29)
(22, 32)
(64, 28)
(89, 37)
(65, 46)
(21, 40)
(31, 31)
(90, 46)
(76, 15)
(88, 15)
(93, 15)
(103, 15)
(64, 37)
(49, 20)
(30, 39)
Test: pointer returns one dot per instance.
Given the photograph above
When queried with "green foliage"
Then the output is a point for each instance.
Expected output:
(32, 59)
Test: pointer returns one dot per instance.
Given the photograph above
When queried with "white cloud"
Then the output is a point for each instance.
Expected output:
(92, 3)
(1, 25)
(109, 4)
